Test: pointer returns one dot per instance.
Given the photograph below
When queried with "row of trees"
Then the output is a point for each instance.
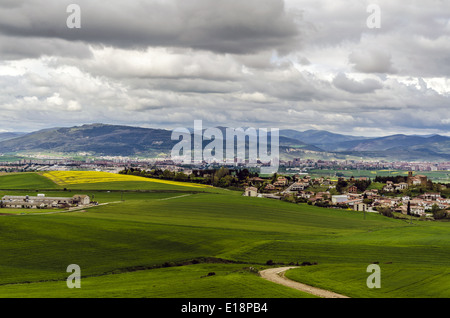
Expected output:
(222, 177)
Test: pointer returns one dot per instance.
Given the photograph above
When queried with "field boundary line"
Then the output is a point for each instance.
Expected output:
(180, 196)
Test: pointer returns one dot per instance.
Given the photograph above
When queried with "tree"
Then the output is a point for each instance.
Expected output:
(341, 185)
(243, 174)
(435, 208)
(386, 212)
(180, 176)
(408, 209)
(222, 172)
(440, 214)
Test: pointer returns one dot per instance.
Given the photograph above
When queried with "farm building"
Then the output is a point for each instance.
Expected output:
(360, 207)
(251, 192)
(40, 201)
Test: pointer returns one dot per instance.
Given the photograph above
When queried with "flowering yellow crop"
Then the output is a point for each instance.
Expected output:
(77, 177)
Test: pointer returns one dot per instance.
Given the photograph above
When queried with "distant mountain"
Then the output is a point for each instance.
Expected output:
(117, 140)
(395, 147)
(388, 142)
(319, 138)
(95, 138)
(10, 135)
(398, 147)
(113, 140)
(284, 141)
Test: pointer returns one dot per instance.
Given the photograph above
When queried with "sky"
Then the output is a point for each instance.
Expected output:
(306, 64)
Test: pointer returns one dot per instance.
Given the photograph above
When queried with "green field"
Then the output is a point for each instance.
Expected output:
(135, 247)
(27, 180)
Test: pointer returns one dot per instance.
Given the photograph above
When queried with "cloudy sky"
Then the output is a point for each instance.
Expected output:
(299, 64)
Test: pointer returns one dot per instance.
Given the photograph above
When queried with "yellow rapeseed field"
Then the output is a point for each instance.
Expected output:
(77, 177)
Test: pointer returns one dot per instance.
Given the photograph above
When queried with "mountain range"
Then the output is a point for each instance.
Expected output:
(119, 140)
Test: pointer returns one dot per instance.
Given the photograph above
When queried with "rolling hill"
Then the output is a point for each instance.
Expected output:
(163, 242)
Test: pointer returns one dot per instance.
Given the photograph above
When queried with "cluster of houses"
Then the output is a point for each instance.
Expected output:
(420, 205)
(369, 200)
(41, 201)
(418, 180)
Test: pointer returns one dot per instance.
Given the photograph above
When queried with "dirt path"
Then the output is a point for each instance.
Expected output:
(276, 275)
(180, 196)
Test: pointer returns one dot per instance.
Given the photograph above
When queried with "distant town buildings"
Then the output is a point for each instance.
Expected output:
(391, 196)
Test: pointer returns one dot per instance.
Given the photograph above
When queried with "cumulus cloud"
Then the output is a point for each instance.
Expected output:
(371, 61)
(341, 81)
(310, 64)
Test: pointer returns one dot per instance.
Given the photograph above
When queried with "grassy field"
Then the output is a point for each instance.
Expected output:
(122, 246)
(26, 181)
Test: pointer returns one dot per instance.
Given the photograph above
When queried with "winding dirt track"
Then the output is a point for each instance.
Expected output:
(276, 275)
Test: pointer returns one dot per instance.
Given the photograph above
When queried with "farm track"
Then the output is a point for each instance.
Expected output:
(276, 275)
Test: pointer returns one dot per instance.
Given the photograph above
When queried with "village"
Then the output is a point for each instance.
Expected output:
(414, 196)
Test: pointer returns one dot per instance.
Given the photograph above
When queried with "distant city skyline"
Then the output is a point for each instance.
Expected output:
(260, 63)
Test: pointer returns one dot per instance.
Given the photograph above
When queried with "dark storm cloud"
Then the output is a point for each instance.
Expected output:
(231, 26)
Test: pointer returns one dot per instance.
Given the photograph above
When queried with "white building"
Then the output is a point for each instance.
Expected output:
(251, 192)
(339, 198)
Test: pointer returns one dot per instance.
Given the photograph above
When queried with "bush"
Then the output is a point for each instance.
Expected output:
(168, 264)
(385, 212)
(440, 214)
(270, 262)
